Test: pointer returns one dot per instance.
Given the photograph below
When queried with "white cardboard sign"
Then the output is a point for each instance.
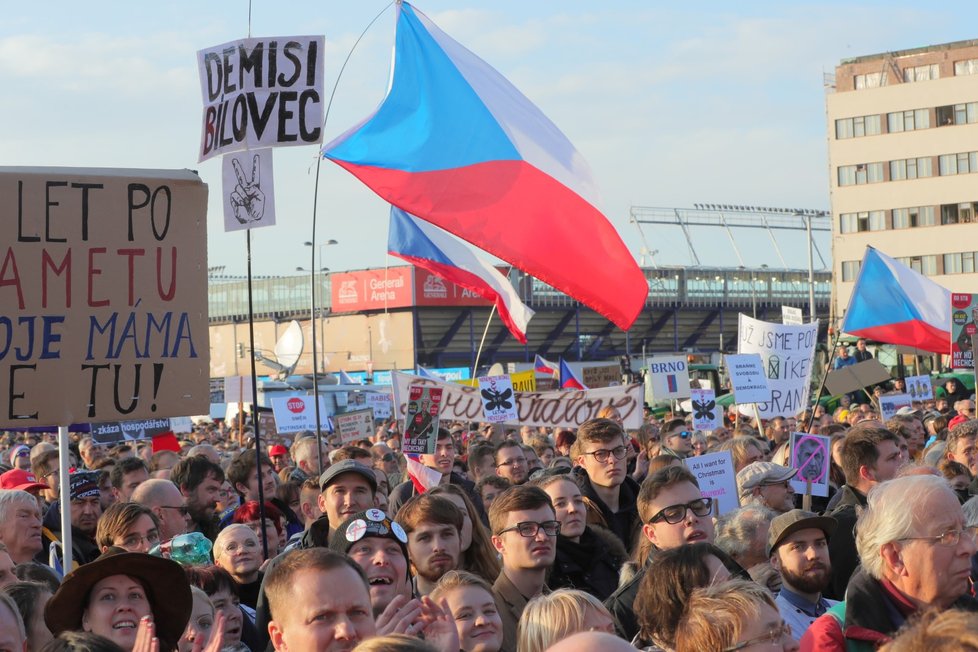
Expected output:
(248, 192)
(669, 376)
(747, 378)
(238, 389)
(381, 404)
(792, 316)
(919, 387)
(786, 352)
(498, 401)
(354, 425)
(297, 413)
(716, 477)
(707, 415)
(890, 403)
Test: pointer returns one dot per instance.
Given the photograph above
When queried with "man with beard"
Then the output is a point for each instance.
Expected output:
(799, 550)
(200, 480)
(434, 529)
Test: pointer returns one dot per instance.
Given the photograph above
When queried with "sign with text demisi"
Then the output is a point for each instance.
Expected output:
(261, 92)
(103, 295)
(374, 289)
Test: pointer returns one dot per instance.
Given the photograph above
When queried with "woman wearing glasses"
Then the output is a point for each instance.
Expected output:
(733, 615)
(589, 557)
(129, 526)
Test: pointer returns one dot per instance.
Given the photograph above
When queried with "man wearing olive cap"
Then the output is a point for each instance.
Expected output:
(798, 548)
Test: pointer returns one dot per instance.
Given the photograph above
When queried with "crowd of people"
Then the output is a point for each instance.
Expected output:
(594, 538)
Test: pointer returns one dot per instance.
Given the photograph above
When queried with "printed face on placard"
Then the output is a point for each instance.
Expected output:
(810, 458)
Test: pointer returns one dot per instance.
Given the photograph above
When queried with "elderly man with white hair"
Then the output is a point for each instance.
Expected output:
(20, 525)
(915, 548)
(238, 551)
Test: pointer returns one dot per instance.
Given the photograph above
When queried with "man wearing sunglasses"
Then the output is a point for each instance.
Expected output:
(601, 455)
(674, 513)
(677, 439)
(163, 498)
(524, 532)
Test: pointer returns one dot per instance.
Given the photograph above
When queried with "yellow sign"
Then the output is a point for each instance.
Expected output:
(523, 381)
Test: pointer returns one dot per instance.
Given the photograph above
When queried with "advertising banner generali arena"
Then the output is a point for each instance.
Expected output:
(396, 287)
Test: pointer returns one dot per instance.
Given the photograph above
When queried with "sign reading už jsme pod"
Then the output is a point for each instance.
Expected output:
(298, 413)
(669, 375)
(557, 409)
(422, 416)
(786, 352)
(103, 295)
(261, 92)
(747, 377)
(717, 480)
(354, 425)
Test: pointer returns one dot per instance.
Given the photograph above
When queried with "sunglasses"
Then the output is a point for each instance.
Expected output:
(683, 434)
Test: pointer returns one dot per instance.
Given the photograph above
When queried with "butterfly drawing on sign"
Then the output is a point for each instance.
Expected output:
(703, 409)
(496, 400)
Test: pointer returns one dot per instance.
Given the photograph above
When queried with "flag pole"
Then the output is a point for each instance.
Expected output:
(478, 354)
(821, 387)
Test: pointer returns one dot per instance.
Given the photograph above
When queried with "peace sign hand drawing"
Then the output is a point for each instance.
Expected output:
(247, 199)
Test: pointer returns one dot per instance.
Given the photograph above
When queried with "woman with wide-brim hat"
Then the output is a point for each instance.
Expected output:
(111, 595)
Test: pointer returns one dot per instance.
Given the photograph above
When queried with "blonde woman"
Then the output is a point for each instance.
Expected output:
(553, 617)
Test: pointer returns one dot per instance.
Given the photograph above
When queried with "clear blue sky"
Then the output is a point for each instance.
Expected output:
(711, 102)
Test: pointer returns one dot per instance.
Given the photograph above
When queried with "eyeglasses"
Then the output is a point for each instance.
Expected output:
(23, 453)
(518, 461)
(603, 454)
(773, 636)
(950, 537)
(133, 540)
(682, 434)
(675, 513)
(183, 509)
(784, 483)
(530, 529)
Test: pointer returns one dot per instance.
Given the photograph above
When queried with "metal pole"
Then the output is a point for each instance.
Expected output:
(64, 494)
(811, 271)
(315, 359)
(753, 294)
(255, 421)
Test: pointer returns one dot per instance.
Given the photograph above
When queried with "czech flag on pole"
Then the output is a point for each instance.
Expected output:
(567, 378)
(891, 303)
(543, 366)
(457, 145)
(427, 246)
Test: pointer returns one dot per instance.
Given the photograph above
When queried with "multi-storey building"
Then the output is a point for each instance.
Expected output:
(903, 153)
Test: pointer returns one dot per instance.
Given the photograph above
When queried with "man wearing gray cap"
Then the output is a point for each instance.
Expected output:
(768, 484)
(798, 548)
(347, 487)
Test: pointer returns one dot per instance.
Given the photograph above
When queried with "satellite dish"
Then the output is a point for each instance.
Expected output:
(497, 370)
(289, 346)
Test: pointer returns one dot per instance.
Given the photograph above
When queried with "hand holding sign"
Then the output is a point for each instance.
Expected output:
(247, 195)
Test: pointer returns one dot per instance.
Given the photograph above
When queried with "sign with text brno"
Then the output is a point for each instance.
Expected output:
(103, 295)
(669, 376)
(786, 352)
(261, 92)
(747, 377)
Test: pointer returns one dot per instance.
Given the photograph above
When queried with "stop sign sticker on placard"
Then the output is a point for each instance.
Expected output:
(296, 405)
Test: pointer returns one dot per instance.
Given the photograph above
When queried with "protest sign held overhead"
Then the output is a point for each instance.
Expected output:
(669, 376)
(890, 404)
(786, 352)
(856, 377)
(380, 404)
(920, 388)
(237, 389)
(964, 325)
(114, 432)
(707, 415)
(717, 480)
(248, 192)
(103, 284)
(354, 425)
(421, 419)
(557, 409)
(498, 401)
(261, 92)
(747, 378)
(792, 316)
(810, 455)
(297, 413)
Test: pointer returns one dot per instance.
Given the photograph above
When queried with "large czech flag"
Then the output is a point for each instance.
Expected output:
(428, 247)
(891, 303)
(457, 145)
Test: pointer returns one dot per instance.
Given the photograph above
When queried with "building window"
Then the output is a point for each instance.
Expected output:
(907, 120)
(957, 114)
(961, 163)
(922, 73)
(857, 175)
(952, 263)
(850, 269)
(966, 67)
(866, 125)
(870, 80)
(848, 223)
(911, 168)
(958, 213)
